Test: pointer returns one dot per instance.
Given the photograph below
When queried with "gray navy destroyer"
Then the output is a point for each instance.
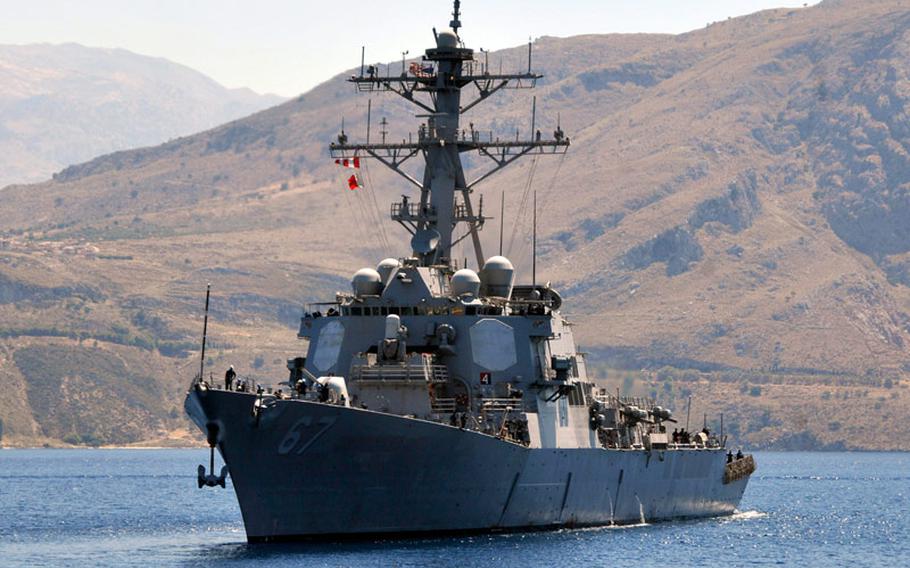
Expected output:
(436, 399)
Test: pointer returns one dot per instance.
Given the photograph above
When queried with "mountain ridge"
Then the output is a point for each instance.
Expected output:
(64, 103)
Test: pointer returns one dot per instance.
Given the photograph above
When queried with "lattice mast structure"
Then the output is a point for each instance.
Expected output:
(435, 86)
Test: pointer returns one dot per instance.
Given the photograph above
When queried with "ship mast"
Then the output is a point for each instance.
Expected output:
(435, 86)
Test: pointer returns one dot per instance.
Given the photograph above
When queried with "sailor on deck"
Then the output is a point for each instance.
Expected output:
(229, 377)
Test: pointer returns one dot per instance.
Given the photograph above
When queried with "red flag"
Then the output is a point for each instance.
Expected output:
(349, 163)
(354, 183)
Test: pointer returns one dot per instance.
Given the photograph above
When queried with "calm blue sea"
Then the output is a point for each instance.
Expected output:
(142, 508)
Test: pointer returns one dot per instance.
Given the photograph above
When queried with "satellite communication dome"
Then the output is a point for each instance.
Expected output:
(465, 281)
(447, 38)
(386, 268)
(496, 277)
(366, 282)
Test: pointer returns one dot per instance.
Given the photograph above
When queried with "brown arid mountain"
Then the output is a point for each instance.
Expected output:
(732, 223)
(64, 104)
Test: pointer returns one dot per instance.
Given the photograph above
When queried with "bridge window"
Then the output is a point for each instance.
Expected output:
(576, 396)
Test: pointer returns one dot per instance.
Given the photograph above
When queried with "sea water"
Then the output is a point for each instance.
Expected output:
(142, 508)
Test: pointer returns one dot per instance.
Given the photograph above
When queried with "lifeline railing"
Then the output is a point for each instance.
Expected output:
(423, 372)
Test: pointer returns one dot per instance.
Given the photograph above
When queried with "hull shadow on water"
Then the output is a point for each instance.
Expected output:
(439, 548)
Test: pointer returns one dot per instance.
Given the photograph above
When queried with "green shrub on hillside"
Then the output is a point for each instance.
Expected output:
(89, 396)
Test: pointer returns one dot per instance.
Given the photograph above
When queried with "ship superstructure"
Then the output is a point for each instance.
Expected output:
(433, 398)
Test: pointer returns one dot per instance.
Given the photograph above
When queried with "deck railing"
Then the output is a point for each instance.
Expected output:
(401, 374)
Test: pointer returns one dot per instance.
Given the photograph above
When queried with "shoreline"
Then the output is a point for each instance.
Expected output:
(205, 447)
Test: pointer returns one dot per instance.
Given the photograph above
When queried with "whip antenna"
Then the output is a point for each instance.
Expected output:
(502, 217)
(534, 245)
(205, 327)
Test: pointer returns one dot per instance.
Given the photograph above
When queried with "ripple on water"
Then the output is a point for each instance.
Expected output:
(746, 515)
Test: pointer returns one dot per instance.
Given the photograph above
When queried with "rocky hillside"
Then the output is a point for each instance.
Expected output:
(733, 211)
(64, 104)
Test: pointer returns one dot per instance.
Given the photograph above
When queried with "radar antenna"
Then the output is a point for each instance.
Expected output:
(456, 23)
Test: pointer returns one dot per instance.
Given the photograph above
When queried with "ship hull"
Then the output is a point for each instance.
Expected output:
(308, 470)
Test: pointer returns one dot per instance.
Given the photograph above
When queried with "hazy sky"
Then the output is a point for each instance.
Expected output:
(288, 46)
